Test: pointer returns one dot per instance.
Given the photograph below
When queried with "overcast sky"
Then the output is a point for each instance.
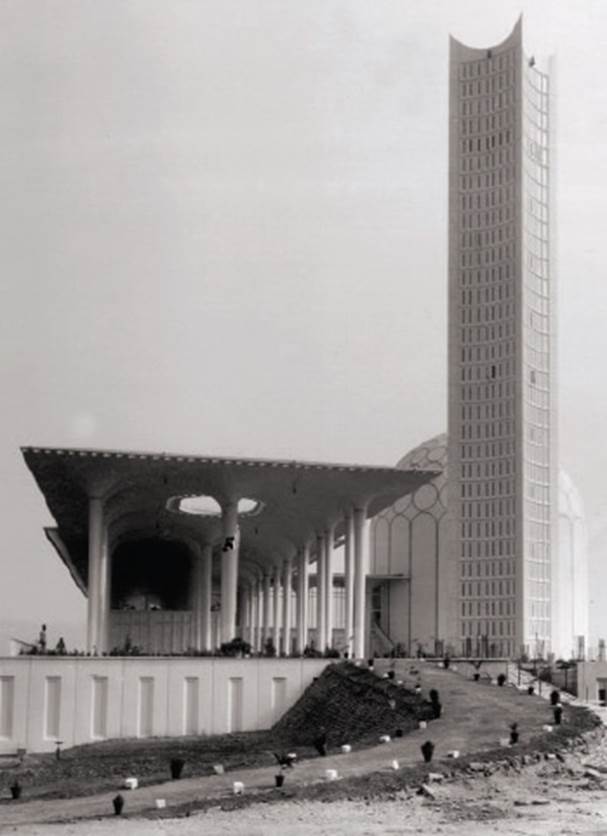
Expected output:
(224, 231)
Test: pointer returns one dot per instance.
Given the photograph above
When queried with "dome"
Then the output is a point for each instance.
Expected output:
(570, 501)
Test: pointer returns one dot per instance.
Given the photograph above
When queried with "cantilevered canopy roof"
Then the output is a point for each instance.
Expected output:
(142, 493)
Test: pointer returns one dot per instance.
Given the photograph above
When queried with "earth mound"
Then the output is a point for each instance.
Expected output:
(351, 704)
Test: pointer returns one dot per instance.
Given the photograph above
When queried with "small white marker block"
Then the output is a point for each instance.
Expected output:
(422, 724)
(218, 769)
(292, 756)
(385, 738)
(130, 783)
(331, 774)
(238, 787)
(385, 676)
(395, 765)
(454, 753)
(547, 728)
(346, 749)
(504, 741)
(453, 667)
(399, 682)
(161, 803)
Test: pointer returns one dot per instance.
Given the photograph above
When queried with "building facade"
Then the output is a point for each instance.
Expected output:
(502, 492)
(413, 589)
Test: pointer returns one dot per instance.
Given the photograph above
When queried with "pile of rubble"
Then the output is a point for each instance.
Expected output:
(350, 704)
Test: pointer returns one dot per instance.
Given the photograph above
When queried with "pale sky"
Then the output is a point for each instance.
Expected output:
(224, 230)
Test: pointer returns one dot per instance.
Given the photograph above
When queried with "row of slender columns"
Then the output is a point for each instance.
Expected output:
(272, 594)
(355, 583)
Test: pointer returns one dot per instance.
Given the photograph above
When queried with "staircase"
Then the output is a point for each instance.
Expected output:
(523, 679)
(381, 643)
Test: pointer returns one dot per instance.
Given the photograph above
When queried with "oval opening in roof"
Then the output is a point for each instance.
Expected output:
(208, 506)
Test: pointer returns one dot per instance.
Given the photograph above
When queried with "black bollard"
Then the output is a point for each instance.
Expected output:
(501, 680)
(118, 802)
(280, 779)
(555, 697)
(176, 766)
(558, 714)
(427, 750)
(531, 690)
(320, 744)
(514, 734)
(15, 789)
(437, 709)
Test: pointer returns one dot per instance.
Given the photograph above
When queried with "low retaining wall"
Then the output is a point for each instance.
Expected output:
(85, 699)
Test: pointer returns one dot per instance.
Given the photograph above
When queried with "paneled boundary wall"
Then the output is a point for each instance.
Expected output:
(87, 699)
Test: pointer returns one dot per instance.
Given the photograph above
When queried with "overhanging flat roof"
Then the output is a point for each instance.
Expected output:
(298, 498)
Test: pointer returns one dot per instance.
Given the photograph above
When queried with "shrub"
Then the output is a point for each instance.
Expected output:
(236, 647)
(269, 649)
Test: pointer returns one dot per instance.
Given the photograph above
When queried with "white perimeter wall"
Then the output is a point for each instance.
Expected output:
(80, 700)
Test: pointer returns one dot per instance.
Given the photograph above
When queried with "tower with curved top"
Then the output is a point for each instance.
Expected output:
(502, 491)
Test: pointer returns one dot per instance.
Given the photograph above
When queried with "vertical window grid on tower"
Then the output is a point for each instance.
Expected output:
(487, 276)
(536, 361)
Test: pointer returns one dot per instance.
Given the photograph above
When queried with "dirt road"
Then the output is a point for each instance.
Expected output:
(553, 797)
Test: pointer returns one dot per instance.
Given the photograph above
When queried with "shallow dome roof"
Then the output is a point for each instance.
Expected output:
(570, 501)
(433, 453)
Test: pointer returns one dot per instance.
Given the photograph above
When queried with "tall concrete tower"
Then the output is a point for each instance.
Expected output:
(502, 492)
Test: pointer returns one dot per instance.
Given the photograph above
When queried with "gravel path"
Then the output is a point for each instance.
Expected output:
(549, 798)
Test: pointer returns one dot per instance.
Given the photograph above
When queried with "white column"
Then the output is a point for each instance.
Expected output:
(287, 610)
(360, 517)
(250, 622)
(96, 565)
(206, 597)
(277, 613)
(105, 583)
(252, 638)
(321, 594)
(329, 584)
(244, 625)
(349, 580)
(195, 600)
(257, 614)
(302, 598)
(260, 613)
(267, 607)
(229, 571)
